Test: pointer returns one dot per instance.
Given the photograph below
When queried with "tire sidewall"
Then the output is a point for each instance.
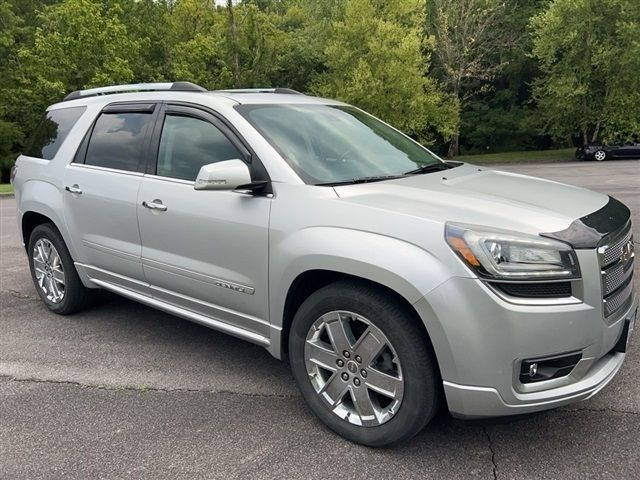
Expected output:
(48, 232)
(420, 397)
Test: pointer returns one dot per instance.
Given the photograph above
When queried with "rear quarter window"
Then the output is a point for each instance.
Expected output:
(52, 130)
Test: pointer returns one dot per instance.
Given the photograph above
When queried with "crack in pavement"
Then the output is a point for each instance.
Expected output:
(133, 388)
(599, 410)
(493, 453)
(20, 295)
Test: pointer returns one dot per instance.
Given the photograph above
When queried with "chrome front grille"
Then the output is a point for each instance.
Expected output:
(616, 264)
(614, 250)
(616, 275)
(615, 302)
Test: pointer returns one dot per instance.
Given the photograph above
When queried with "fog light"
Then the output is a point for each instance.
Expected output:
(556, 366)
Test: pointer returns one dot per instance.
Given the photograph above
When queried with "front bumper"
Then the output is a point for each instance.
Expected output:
(480, 341)
(466, 401)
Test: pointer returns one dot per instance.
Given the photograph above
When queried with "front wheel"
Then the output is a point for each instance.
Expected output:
(600, 155)
(363, 364)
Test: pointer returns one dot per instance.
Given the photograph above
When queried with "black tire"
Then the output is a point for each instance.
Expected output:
(419, 368)
(76, 295)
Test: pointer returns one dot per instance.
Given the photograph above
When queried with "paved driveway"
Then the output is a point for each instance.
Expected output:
(124, 391)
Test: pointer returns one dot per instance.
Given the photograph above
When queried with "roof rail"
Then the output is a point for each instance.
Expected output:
(288, 91)
(136, 87)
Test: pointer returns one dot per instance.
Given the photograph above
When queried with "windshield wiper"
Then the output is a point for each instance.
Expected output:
(433, 167)
(376, 178)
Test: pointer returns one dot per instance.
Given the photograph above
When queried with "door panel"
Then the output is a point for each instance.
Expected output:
(208, 252)
(101, 192)
(102, 219)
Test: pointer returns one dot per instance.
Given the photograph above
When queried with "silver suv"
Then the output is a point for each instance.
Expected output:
(393, 281)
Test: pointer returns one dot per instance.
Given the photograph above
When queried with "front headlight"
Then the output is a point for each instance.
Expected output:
(503, 255)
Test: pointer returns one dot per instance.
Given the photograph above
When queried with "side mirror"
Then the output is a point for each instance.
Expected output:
(226, 175)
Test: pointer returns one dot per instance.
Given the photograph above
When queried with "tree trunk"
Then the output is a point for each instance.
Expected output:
(233, 37)
(596, 131)
(454, 146)
(585, 138)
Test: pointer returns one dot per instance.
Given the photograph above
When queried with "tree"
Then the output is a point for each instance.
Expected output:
(500, 116)
(196, 44)
(306, 30)
(589, 57)
(375, 60)
(146, 21)
(470, 36)
(79, 44)
(18, 19)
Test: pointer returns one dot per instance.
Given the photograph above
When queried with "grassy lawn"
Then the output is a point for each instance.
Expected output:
(6, 188)
(534, 156)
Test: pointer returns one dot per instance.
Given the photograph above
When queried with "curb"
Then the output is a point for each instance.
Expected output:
(6, 194)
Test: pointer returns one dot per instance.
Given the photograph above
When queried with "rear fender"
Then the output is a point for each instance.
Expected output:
(46, 199)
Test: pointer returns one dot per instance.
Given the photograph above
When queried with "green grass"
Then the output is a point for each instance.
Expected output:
(534, 156)
(6, 188)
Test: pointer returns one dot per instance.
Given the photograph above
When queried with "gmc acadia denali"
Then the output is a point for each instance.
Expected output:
(390, 279)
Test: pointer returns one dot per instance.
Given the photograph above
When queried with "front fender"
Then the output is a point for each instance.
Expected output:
(407, 269)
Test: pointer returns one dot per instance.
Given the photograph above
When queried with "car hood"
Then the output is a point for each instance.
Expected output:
(475, 195)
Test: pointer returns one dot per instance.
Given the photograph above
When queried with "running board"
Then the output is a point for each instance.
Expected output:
(186, 314)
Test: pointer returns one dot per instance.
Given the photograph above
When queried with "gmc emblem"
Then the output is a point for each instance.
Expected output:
(627, 252)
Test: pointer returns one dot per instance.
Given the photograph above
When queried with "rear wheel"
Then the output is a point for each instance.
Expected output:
(53, 272)
(600, 155)
(363, 364)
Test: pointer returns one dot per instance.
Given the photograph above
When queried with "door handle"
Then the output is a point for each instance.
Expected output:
(155, 205)
(75, 189)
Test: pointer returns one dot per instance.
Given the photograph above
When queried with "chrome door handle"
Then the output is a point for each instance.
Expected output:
(75, 189)
(155, 205)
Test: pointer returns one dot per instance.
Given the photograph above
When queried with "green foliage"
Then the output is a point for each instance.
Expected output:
(589, 55)
(375, 61)
(79, 44)
(499, 116)
(433, 68)
(471, 38)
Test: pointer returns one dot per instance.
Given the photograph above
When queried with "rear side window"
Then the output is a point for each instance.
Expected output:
(48, 136)
(118, 141)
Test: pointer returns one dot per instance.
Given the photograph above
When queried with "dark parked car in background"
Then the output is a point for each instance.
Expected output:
(602, 152)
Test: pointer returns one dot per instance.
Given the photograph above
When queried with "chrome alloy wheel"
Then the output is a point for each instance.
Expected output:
(600, 155)
(48, 270)
(354, 368)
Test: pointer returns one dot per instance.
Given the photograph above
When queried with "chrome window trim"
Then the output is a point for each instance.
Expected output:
(103, 169)
(169, 179)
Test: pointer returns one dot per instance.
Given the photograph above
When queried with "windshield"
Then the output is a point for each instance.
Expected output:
(328, 144)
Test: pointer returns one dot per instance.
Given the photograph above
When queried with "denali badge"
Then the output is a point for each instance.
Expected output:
(235, 287)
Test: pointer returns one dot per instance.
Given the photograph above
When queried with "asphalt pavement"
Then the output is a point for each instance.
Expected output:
(125, 391)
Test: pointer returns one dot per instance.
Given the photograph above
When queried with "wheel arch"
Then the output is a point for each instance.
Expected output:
(310, 281)
(42, 202)
(313, 257)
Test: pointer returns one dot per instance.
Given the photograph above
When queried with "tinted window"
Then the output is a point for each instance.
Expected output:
(48, 136)
(118, 141)
(187, 144)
